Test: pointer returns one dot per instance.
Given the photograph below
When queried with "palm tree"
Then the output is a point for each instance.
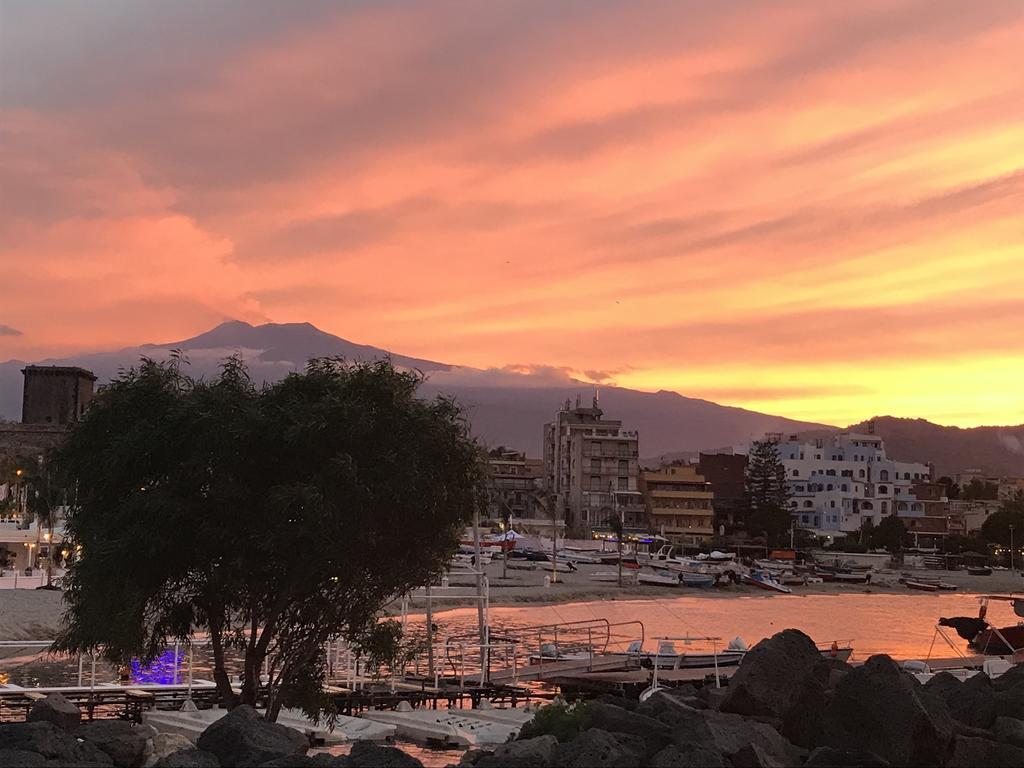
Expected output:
(42, 500)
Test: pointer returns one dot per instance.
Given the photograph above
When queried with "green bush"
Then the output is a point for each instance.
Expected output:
(561, 720)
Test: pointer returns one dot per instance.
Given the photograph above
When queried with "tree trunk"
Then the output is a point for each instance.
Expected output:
(220, 676)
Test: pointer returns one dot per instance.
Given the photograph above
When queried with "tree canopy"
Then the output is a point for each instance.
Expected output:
(767, 492)
(890, 534)
(996, 528)
(274, 519)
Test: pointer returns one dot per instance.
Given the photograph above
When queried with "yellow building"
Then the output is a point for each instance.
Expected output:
(679, 505)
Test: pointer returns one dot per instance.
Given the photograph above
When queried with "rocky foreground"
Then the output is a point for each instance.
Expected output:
(786, 706)
(789, 706)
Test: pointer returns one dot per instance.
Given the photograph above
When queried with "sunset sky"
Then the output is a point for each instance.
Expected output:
(814, 209)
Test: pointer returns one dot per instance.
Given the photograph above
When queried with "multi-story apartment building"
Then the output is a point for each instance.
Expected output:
(837, 483)
(679, 504)
(726, 472)
(515, 484)
(591, 469)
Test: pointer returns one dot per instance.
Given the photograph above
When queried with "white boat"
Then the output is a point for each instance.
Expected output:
(629, 576)
(549, 652)
(485, 726)
(993, 668)
(658, 577)
(763, 580)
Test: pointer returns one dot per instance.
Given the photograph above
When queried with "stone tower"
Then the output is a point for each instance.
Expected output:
(55, 394)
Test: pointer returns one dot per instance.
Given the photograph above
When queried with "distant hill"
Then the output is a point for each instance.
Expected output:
(505, 407)
(996, 450)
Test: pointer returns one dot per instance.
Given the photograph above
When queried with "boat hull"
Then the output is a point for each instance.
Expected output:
(992, 642)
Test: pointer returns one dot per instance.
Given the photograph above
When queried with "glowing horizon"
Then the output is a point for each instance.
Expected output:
(808, 210)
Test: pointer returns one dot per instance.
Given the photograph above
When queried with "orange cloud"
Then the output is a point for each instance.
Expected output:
(810, 208)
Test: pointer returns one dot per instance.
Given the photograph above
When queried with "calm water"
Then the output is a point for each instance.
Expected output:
(900, 625)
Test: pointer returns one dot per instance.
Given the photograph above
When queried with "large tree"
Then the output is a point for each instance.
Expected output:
(996, 528)
(273, 519)
(766, 492)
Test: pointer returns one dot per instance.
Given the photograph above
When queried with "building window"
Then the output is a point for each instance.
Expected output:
(883, 475)
(595, 465)
(844, 487)
(883, 489)
(796, 473)
(809, 504)
(861, 473)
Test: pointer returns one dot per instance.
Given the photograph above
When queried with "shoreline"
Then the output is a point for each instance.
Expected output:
(36, 614)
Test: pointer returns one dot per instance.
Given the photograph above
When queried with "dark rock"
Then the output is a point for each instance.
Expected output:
(1010, 701)
(1009, 730)
(618, 701)
(719, 732)
(969, 752)
(803, 722)
(878, 708)
(51, 742)
(972, 702)
(732, 735)
(1010, 679)
(827, 757)
(595, 747)
(771, 677)
(188, 758)
(57, 710)
(473, 756)
(676, 714)
(242, 738)
(688, 756)
(165, 744)
(529, 753)
(366, 754)
(606, 717)
(20, 758)
(126, 744)
(295, 761)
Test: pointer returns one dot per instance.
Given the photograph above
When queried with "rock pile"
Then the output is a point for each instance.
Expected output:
(54, 736)
(787, 705)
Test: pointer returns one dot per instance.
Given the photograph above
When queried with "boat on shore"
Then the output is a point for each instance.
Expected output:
(658, 577)
(984, 637)
(765, 581)
(979, 570)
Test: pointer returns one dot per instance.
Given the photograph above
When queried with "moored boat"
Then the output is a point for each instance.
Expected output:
(765, 581)
(658, 577)
(979, 570)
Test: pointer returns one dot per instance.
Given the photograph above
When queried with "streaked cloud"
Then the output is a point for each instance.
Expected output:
(809, 208)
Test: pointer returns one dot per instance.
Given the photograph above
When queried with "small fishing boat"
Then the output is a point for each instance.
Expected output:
(549, 652)
(668, 656)
(765, 581)
(923, 586)
(979, 570)
(658, 577)
(698, 580)
(628, 576)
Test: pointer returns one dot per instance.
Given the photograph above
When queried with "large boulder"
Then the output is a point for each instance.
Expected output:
(594, 747)
(189, 757)
(688, 756)
(127, 745)
(1010, 679)
(972, 702)
(719, 732)
(770, 678)
(743, 740)
(606, 717)
(46, 739)
(827, 757)
(972, 752)
(366, 754)
(539, 752)
(879, 708)
(1009, 730)
(165, 744)
(244, 739)
(55, 709)
(20, 758)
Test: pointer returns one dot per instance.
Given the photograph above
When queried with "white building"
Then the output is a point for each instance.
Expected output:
(838, 482)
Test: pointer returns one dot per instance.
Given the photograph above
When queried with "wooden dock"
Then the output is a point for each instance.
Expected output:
(543, 672)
